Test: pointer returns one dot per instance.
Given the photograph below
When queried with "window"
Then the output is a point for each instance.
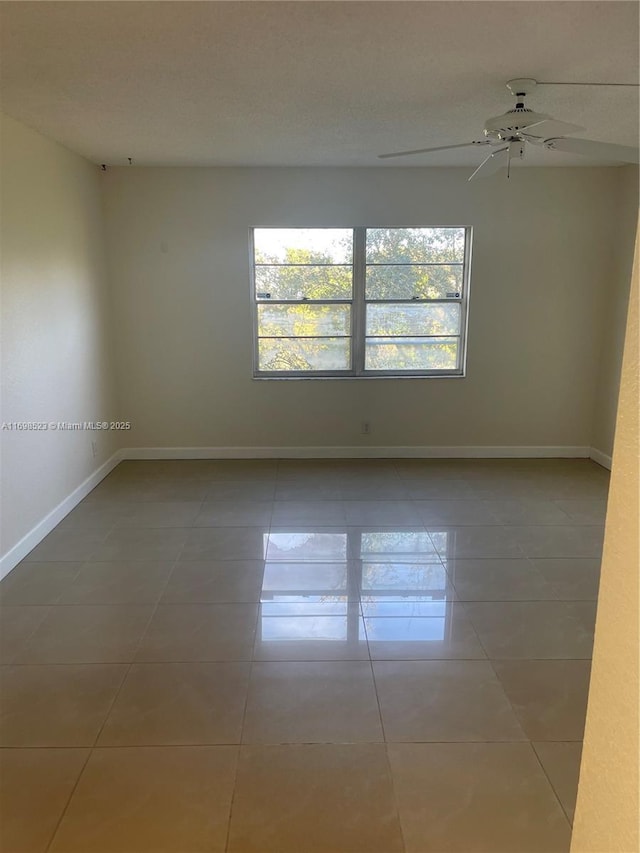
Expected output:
(363, 302)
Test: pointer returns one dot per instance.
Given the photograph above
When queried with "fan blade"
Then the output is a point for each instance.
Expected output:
(496, 160)
(589, 148)
(534, 140)
(427, 150)
(549, 127)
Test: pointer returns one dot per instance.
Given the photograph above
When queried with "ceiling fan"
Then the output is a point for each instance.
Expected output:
(508, 134)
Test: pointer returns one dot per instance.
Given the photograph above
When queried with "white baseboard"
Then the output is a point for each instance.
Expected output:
(28, 542)
(417, 452)
(600, 457)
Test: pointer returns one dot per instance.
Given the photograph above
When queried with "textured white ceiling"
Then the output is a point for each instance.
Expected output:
(309, 83)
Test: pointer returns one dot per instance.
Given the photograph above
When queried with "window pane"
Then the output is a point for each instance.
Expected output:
(310, 547)
(306, 321)
(297, 282)
(398, 546)
(415, 245)
(294, 579)
(300, 628)
(304, 354)
(405, 282)
(418, 319)
(411, 354)
(303, 245)
(388, 581)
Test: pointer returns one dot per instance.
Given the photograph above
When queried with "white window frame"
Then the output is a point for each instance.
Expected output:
(358, 304)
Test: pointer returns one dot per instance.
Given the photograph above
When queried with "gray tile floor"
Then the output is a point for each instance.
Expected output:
(340, 656)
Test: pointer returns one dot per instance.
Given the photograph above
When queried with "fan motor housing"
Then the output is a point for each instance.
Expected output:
(512, 122)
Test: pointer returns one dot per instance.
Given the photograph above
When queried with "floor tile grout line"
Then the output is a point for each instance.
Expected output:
(508, 698)
(458, 600)
(409, 523)
(497, 677)
(109, 710)
(240, 740)
(251, 662)
(69, 798)
(246, 703)
(132, 662)
(394, 794)
(238, 748)
(89, 754)
(297, 660)
(237, 744)
(27, 639)
(375, 687)
(333, 529)
(548, 778)
(134, 652)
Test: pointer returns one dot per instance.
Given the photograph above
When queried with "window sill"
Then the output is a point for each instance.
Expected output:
(368, 377)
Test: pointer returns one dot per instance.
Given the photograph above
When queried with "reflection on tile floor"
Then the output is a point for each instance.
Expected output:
(401, 644)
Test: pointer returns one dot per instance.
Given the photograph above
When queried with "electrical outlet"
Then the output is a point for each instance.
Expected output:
(366, 428)
(94, 449)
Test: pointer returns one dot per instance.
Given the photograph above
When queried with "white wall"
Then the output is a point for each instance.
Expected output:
(548, 288)
(607, 809)
(541, 267)
(615, 316)
(56, 345)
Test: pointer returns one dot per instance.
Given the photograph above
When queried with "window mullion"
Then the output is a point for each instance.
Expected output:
(358, 315)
